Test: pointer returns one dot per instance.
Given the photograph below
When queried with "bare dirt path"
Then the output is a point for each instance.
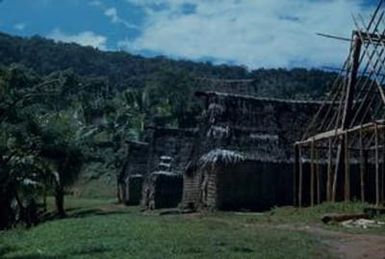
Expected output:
(348, 245)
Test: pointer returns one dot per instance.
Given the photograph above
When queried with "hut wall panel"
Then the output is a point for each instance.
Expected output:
(162, 190)
(137, 161)
(191, 191)
(133, 190)
(175, 143)
(212, 195)
(250, 185)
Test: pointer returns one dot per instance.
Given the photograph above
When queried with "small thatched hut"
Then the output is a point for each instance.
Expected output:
(164, 149)
(133, 192)
(135, 164)
(226, 180)
(162, 189)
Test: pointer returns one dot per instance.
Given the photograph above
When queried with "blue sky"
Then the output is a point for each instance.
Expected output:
(253, 33)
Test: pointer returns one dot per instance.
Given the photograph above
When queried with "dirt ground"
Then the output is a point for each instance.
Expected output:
(349, 245)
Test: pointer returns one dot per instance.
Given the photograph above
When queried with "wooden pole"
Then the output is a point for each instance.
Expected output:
(377, 166)
(317, 170)
(382, 169)
(296, 175)
(329, 172)
(300, 180)
(312, 172)
(347, 169)
(335, 176)
(362, 167)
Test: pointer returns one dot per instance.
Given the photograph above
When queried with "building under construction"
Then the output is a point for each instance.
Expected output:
(341, 156)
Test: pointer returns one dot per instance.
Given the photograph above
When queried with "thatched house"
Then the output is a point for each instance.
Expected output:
(173, 143)
(165, 150)
(135, 164)
(226, 180)
(261, 131)
(162, 189)
(133, 192)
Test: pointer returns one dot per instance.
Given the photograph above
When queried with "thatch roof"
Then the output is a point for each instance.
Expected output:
(172, 130)
(220, 157)
(259, 128)
(255, 98)
(137, 143)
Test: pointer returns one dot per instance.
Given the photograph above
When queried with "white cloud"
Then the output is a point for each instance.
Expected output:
(112, 14)
(95, 3)
(266, 33)
(19, 26)
(86, 38)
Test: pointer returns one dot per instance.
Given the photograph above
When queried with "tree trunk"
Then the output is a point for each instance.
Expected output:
(118, 191)
(59, 201)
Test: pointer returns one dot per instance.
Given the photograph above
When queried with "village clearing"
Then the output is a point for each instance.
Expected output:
(129, 233)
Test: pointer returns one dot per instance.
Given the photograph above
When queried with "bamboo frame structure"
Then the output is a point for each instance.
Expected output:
(348, 131)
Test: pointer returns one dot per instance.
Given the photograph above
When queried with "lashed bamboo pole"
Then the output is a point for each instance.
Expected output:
(335, 176)
(361, 37)
(377, 166)
(347, 169)
(317, 171)
(312, 172)
(382, 167)
(295, 175)
(300, 180)
(362, 167)
(329, 172)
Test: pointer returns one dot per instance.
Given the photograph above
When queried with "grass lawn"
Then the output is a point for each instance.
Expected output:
(100, 229)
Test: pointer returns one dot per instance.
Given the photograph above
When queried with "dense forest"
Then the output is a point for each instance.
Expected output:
(67, 110)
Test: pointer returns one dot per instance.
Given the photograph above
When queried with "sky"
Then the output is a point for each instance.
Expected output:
(251, 33)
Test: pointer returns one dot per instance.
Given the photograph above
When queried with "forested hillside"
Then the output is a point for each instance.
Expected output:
(67, 110)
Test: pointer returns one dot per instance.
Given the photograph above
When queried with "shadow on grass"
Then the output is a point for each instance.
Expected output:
(92, 251)
(95, 212)
(5, 250)
(82, 213)
(37, 256)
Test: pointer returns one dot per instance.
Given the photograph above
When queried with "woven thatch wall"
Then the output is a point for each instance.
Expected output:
(170, 142)
(224, 182)
(260, 128)
(249, 185)
(192, 180)
(133, 191)
(136, 163)
(162, 190)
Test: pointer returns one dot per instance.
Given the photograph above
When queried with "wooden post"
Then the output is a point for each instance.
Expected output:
(362, 166)
(347, 169)
(296, 175)
(335, 176)
(352, 81)
(300, 177)
(382, 169)
(317, 170)
(377, 165)
(312, 172)
(347, 112)
(329, 172)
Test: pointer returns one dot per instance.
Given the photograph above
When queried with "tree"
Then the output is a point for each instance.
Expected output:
(62, 139)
